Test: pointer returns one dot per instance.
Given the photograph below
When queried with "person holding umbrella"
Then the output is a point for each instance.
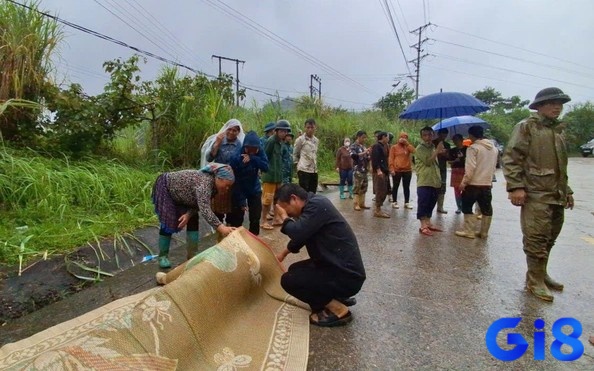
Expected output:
(428, 180)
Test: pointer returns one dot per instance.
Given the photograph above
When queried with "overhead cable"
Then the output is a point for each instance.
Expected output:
(265, 32)
(517, 47)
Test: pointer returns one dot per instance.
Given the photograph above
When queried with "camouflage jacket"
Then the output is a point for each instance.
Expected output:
(535, 159)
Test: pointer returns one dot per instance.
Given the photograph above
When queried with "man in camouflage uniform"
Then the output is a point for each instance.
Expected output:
(360, 156)
(535, 168)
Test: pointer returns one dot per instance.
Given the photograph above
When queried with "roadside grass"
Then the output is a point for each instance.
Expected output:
(51, 206)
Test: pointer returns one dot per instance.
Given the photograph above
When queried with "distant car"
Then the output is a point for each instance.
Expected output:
(587, 148)
(499, 147)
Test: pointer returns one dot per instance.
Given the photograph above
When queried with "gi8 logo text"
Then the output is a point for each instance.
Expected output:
(521, 345)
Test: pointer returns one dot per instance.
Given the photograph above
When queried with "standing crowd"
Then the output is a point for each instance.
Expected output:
(243, 172)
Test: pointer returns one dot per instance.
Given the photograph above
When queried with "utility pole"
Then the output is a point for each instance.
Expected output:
(313, 89)
(417, 61)
(237, 62)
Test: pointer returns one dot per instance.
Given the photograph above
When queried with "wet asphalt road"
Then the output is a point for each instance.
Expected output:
(428, 301)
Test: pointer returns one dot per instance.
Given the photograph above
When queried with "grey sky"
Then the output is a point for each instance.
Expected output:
(351, 37)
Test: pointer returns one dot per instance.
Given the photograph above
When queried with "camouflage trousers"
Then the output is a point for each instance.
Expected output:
(541, 224)
(360, 183)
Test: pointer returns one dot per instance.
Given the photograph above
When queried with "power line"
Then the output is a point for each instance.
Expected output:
(482, 76)
(516, 47)
(393, 26)
(143, 34)
(265, 32)
(404, 20)
(510, 70)
(112, 40)
(514, 58)
(166, 32)
(136, 49)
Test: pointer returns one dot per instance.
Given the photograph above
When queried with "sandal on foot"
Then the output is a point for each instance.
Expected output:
(349, 302)
(329, 319)
(426, 231)
(435, 229)
(266, 226)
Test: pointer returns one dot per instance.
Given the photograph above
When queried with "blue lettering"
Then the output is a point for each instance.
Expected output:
(512, 339)
(571, 339)
(539, 340)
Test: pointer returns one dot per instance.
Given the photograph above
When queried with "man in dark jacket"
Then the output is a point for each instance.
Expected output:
(247, 191)
(335, 270)
(380, 171)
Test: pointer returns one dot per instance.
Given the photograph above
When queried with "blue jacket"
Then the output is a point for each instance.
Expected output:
(247, 181)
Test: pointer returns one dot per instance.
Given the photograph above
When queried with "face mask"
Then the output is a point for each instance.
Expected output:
(347, 143)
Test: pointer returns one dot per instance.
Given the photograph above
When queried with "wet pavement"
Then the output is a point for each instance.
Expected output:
(428, 301)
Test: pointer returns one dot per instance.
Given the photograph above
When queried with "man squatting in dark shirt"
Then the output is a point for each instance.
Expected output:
(334, 272)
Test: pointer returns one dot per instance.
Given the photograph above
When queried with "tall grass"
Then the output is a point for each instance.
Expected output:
(65, 204)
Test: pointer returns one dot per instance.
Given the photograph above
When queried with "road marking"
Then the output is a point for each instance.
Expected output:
(590, 240)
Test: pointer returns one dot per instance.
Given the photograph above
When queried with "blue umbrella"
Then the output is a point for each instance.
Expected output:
(460, 125)
(443, 105)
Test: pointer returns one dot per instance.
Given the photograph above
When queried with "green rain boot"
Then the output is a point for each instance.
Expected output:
(164, 243)
(192, 238)
(341, 190)
(535, 278)
(550, 282)
(351, 192)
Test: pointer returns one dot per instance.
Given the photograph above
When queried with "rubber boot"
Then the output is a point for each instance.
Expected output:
(350, 192)
(551, 283)
(192, 239)
(356, 205)
(485, 226)
(468, 232)
(378, 213)
(440, 200)
(362, 202)
(341, 189)
(164, 243)
(535, 278)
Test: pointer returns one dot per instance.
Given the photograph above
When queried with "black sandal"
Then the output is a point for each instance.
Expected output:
(326, 319)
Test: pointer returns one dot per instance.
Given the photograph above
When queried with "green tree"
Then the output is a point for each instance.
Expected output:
(580, 126)
(83, 124)
(497, 102)
(392, 104)
(27, 41)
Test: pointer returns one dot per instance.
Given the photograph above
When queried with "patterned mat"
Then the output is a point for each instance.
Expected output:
(222, 310)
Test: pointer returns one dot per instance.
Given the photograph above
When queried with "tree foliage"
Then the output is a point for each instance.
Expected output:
(504, 112)
(81, 124)
(497, 102)
(581, 124)
(392, 104)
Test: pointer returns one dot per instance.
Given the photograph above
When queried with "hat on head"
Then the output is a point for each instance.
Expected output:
(269, 126)
(548, 94)
(283, 124)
